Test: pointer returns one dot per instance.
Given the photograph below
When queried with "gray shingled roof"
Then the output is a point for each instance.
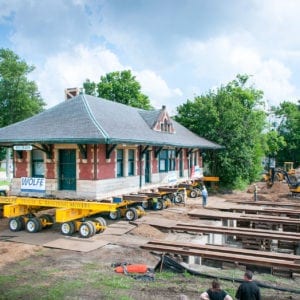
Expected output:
(86, 119)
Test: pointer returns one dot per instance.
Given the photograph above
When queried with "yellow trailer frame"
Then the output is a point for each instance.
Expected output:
(70, 213)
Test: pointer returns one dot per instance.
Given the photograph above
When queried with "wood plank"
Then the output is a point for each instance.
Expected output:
(222, 249)
(246, 232)
(217, 215)
(250, 258)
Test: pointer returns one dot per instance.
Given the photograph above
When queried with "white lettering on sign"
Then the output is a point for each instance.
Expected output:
(23, 148)
(33, 184)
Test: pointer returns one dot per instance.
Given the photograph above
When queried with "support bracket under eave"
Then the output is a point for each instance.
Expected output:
(178, 150)
(48, 149)
(189, 151)
(19, 154)
(143, 150)
(109, 150)
(157, 151)
(83, 150)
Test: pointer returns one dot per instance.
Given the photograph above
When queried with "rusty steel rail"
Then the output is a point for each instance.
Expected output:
(220, 253)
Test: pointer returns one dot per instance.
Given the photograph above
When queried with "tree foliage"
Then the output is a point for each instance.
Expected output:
(289, 129)
(230, 117)
(19, 97)
(119, 86)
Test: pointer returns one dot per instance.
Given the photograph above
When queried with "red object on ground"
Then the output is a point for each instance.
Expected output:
(138, 268)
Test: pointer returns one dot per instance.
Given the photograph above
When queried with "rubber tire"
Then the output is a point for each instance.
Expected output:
(131, 214)
(85, 230)
(164, 203)
(16, 224)
(178, 198)
(293, 179)
(33, 225)
(193, 194)
(94, 230)
(67, 228)
(145, 204)
(160, 204)
(102, 222)
(115, 215)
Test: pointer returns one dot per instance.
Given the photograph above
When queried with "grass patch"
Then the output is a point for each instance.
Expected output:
(4, 182)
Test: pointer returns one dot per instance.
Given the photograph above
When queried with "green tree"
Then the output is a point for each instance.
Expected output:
(90, 87)
(289, 129)
(229, 116)
(119, 86)
(273, 143)
(19, 97)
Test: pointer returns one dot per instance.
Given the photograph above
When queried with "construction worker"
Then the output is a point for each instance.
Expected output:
(248, 290)
(204, 196)
(215, 293)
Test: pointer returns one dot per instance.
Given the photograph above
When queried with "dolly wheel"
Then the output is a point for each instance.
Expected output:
(145, 204)
(67, 228)
(16, 224)
(193, 194)
(86, 230)
(33, 225)
(115, 215)
(160, 204)
(178, 198)
(131, 214)
(93, 226)
(101, 221)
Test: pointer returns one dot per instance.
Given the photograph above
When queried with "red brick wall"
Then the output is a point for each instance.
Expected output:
(106, 170)
(21, 165)
(154, 162)
(86, 165)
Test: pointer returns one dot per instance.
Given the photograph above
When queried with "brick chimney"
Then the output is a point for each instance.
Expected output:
(71, 92)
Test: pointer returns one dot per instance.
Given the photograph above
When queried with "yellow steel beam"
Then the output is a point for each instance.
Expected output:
(15, 210)
(70, 214)
(210, 178)
(57, 203)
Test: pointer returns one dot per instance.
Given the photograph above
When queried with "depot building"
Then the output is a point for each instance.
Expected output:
(87, 147)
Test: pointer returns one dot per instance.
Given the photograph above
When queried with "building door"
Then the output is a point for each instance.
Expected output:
(147, 167)
(67, 169)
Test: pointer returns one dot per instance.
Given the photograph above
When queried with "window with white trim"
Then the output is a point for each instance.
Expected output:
(37, 163)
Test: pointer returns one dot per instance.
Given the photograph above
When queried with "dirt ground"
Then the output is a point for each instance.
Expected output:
(30, 271)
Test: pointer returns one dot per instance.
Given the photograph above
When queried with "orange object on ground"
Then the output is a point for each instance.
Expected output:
(138, 268)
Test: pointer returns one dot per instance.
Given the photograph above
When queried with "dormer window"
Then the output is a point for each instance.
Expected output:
(159, 120)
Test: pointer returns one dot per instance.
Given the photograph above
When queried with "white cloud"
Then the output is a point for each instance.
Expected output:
(220, 59)
(158, 90)
(71, 69)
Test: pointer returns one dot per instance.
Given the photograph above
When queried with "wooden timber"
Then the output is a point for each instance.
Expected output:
(238, 231)
(221, 253)
(290, 204)
(218, 215)
(258, 210)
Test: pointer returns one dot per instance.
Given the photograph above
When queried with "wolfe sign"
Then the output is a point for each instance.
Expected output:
(32, 184)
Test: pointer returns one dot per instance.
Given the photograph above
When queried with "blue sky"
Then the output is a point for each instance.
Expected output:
(177, 49)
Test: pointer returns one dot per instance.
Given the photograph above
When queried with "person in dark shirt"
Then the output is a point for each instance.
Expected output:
(215, 293)
(248, 290)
